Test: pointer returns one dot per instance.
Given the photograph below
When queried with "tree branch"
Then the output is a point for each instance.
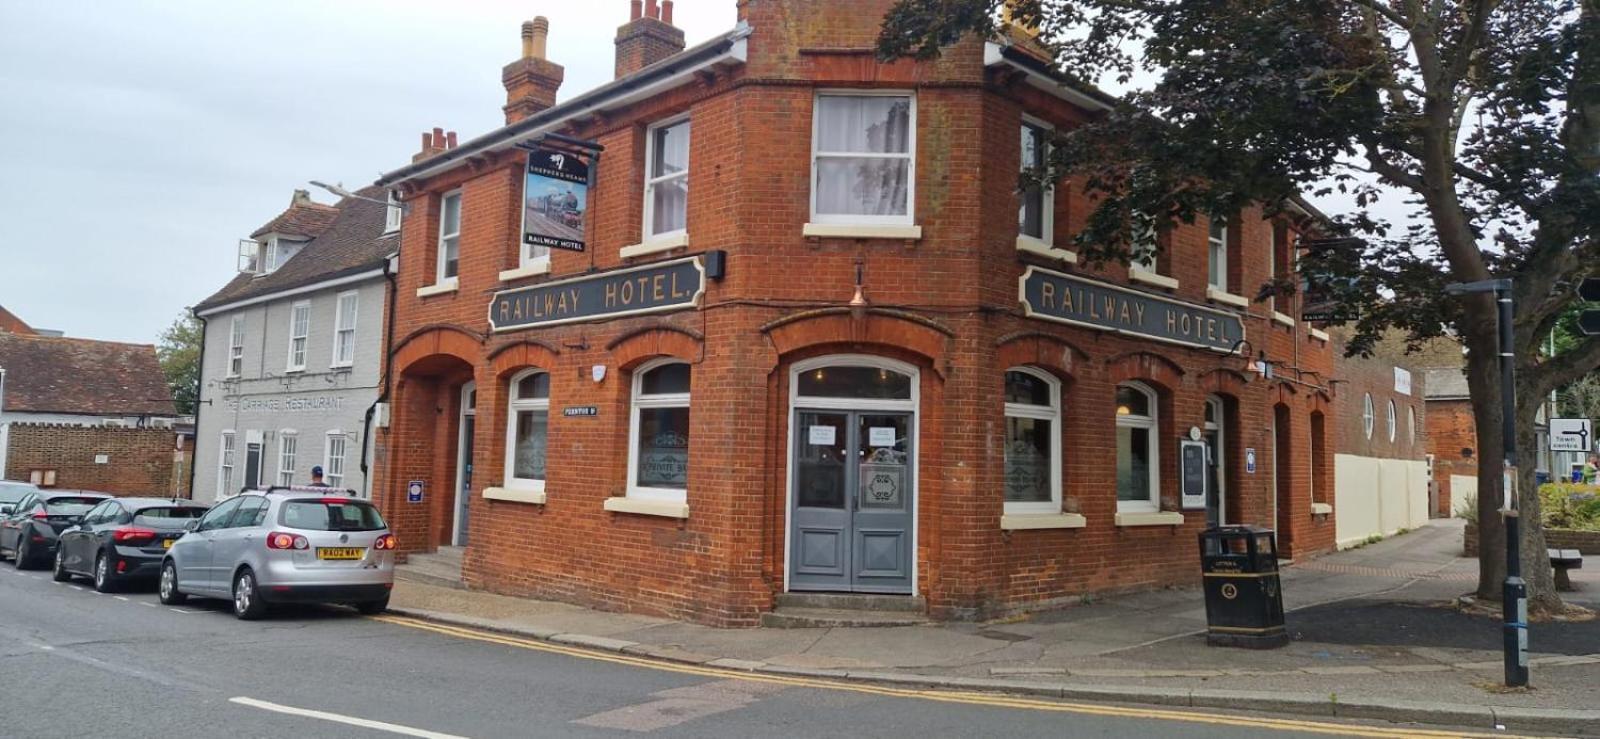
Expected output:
(1565, 368)
(1386, 12)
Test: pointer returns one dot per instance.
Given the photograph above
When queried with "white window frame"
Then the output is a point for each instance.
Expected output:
(910, 216)
(1153, 423)
(1217, 254)
(227, 461)
(1219, 424)
(236, 346)
(345, 325)
(439, 259)
(651, 180)
(638, 401)
(1369, 416)
(288, 455)
(1053, 415)
(334, 479)
(1394, 422)
(303, 337)
(514, 406)
(1047, 219)
(1411, 424)
(269, 256)
(393, 215)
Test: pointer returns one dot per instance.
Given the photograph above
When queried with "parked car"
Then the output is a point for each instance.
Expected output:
(29, 534)
(12, 493)
(284, 545)
(122, 540)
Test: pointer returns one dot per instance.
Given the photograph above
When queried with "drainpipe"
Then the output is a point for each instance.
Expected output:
(389, 273)
(5, 428)
(194, 451)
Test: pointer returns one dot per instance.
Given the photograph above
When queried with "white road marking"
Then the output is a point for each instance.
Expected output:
(149, 605)
(180, 610)
(118, 597)
(36, 577)
(76, 587)
(342, 719)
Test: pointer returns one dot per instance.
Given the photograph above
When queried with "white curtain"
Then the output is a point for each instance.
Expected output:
(863, 185)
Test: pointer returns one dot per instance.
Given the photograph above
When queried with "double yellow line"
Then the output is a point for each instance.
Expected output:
(942, 696)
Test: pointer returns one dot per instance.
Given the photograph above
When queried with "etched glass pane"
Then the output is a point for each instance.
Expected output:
(663, 448)
(855, 382)
(1133, 464)
(533, 431)
(1027, 460)
(669, 379)
(1027, 389)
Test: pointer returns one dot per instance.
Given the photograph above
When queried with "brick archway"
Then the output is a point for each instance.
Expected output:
(796, 335)
(423, 442)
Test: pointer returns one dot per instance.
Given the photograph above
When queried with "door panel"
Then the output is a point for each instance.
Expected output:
(820, 560)
(464, 495)
(851, 522)
(882, 543)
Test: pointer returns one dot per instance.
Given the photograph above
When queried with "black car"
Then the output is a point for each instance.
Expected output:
(29, 533)
(12, 493)
(123, 539)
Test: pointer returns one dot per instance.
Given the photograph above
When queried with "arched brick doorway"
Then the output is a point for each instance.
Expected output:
(425, 443)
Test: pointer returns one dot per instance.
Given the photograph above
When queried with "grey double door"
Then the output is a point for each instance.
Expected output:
(854, 493)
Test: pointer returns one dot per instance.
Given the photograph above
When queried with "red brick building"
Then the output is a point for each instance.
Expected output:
(817, 340)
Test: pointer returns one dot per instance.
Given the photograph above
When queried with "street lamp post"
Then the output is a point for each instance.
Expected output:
(1514, 593)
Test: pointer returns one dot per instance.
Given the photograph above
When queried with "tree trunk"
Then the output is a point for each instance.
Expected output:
(1536, 570)
(1483, 381)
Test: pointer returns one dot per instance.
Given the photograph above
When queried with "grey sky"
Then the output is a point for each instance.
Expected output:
(144, 139)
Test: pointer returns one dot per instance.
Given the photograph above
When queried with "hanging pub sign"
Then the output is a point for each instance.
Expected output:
(555, 199)
(652, 288)
(1328, 270)
(1054, 296)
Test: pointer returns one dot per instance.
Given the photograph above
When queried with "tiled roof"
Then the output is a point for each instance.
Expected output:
(304, 219)
(353, 242)
(52, 374)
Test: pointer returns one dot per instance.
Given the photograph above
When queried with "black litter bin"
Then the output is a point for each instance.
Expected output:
(1244, 602)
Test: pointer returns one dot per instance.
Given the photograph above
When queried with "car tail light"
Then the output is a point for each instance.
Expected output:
(132, 535)
(284, 540)
(41, 515)
(387, 541)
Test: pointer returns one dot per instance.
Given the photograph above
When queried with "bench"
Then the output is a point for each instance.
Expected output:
(1562, 560)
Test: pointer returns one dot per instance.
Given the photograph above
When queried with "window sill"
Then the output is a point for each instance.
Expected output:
(1319, 335)
(1226, 298)
(656, 245)
(1283, 319)
(662, 508)
(1027, 521)
(860, 231)
(1151, 278)
(448, 286)
(1032, 245)
(540, 267)
(535, 497)
(1150, 518)
(1321, 509)
(341, 366)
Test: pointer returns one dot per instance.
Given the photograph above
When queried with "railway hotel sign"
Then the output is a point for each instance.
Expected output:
(1058, 297)
(653, 288)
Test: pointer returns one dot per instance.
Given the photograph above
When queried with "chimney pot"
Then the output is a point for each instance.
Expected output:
(450, 140)
(438, 136)
(637, 10)
(541, 34)
(427, 141)
(301, 197)
(651, 10)
(666, 12)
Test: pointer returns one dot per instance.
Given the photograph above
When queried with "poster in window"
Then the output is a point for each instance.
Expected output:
(1193, 479)
(555, 199)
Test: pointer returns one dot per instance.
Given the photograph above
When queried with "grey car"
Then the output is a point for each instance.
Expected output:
(284, 545)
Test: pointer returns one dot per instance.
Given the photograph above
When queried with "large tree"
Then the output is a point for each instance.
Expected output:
(1479, 118)
(179, 353)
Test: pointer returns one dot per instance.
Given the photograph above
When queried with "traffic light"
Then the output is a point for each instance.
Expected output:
(1589, 320)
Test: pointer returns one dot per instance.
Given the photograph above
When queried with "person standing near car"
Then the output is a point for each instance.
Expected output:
(316, 477)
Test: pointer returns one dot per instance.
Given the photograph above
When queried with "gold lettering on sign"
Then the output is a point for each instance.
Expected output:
(1047, 294)
(627, 292)
(1172, 321)
(505, 309)
(655, 288)
(1127, 315)
(1138, 313)
(611, 294)
(675, 292)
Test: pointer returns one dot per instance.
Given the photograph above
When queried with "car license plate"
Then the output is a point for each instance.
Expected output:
(340, 552)
(167, 543)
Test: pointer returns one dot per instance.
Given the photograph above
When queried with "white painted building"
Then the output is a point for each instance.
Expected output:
(293, 358)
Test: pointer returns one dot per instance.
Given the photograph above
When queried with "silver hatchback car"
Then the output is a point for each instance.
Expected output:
(284, 545)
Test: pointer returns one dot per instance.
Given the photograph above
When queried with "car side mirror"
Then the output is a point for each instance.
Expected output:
(5, 510)
(192, 525)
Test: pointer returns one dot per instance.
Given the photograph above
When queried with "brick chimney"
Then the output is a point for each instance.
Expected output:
(531, 82)
(434, 142)
(648, 37)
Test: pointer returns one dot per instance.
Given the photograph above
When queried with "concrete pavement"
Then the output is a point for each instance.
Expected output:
(1373, 636)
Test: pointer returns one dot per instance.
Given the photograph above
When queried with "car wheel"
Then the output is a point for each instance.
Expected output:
(168, 592)
(247, 603)
(23, 555)
(104, 581)
(60, 573)
(373, 607)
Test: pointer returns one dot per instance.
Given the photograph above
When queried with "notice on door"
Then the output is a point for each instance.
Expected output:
(881, 436)
(822, 435)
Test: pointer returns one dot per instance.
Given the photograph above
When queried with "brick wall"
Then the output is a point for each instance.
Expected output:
(945, 303)
(138, 461)
(1363, 376)
(1453, 442)
(1586, 542)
